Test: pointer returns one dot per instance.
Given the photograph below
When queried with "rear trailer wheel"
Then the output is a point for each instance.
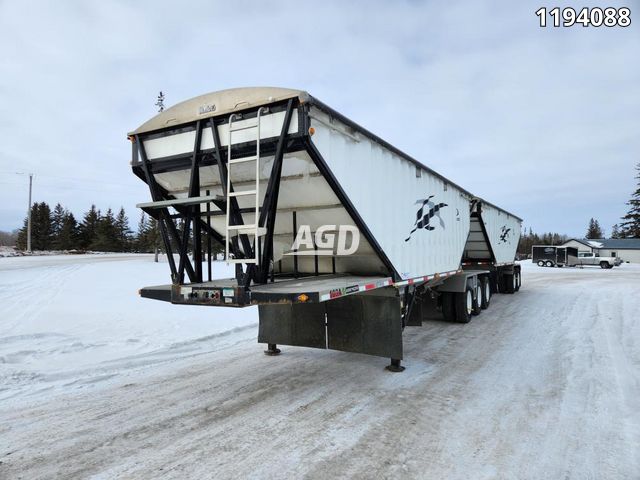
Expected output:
(477, 303)
(448, 307)
(541, 263)
(464, 305)
(518, 276)
(486, 293)
(510, 282)
(501, 284)
(549, 263)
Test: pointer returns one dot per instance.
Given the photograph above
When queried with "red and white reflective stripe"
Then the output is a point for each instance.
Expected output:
(351, 289)
(426, 278)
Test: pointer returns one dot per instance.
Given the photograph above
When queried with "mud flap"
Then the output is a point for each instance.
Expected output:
(299, 324)
(415, 318)
(365, 324)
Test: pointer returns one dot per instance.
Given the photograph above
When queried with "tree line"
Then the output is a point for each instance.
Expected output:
(529, 239)
(58, 229)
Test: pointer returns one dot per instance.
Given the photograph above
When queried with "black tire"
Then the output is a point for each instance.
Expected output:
(501, 285)
(448, 308)
(509, 282)
(486, 293)
(477, 302)
(549, 263)
(518, 279)
(604, 265)
(541, 263)
(463, 302)
(494, 283)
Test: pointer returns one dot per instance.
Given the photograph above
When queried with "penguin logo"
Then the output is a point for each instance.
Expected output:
(423, 220)
(504, 234)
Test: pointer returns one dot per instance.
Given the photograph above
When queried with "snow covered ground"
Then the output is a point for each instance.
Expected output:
(70, 322)
(98, 383)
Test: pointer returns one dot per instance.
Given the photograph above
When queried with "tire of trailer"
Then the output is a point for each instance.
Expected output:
(477, 303)
(448, 307)
(541, 263)
(549, 263)
(486, 293)
(463, 302)
(501, 285)
(518, 279)
(510, 283)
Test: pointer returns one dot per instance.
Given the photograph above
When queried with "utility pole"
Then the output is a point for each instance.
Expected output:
(29, 215)
(160, 104)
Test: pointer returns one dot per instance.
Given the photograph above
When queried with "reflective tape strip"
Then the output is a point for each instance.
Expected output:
(351, 289)
(411, 281)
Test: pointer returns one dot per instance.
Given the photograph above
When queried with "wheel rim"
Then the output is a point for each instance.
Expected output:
(479, 296)
(469, 302)
(487, 293)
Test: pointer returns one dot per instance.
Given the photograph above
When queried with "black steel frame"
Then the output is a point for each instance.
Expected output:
(197, 222)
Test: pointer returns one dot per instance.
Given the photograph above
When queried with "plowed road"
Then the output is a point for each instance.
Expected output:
(543, 385)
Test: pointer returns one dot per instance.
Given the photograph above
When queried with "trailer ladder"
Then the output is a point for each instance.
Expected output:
(233, 229)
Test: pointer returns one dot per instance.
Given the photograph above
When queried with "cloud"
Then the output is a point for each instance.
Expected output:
(542, 122)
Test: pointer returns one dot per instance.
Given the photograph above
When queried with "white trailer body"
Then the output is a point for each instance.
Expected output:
(389, 192)
(253, 169)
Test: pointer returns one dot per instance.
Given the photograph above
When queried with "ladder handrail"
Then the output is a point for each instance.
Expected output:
(255, 192)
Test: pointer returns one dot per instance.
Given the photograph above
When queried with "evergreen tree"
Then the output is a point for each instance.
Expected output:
(57, 220)
(69, 236)
(152, 235)
(123, 231)
(88, 228)
(630, 226)
(615, 231)
(106, 236)
(594, 231)
(140, 233)
(40, 228)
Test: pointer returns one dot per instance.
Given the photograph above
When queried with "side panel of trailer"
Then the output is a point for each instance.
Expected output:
(420, 221)
(503, 232)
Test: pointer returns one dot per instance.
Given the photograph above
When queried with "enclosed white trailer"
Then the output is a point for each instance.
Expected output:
(337, 235)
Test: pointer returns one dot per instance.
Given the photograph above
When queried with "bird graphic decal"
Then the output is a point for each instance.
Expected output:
(423, 220)
(504, 236)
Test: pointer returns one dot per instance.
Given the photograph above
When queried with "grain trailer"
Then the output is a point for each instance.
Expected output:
(341, 239)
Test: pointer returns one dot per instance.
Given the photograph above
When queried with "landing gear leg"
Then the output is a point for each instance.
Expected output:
(395, 366)
(272, 350)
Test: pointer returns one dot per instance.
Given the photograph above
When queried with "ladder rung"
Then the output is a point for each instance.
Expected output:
(240, 227)
(242, 160)
(245, 230)
(241, 193)
(242, 260)
(244, 127)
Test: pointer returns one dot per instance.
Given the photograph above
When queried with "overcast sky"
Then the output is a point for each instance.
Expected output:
(544, 122)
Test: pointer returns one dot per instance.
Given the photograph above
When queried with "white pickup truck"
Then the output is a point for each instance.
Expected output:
(590, 258)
